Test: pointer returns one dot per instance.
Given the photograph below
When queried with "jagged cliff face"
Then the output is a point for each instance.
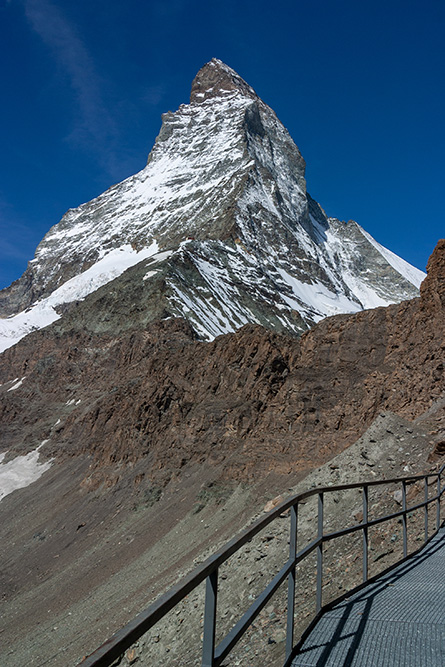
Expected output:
(248, 403)
(218, 228)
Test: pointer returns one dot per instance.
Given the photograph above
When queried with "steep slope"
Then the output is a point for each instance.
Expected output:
(249, 401)
(221, 212)
(151, 430)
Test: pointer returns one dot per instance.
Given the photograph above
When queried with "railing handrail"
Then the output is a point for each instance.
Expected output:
(130, 633)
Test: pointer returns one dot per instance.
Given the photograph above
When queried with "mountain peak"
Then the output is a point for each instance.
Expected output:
(215, 79)
(217, 228)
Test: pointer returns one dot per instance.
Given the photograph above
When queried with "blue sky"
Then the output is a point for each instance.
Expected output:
(359, 85)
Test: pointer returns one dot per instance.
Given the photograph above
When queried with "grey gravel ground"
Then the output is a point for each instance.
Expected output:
(69, 584)
(391, 447)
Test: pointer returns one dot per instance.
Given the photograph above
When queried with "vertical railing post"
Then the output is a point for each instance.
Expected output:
(365, 533)
(405, 537)
(426, 508)
(291, 580)
(208, 643)
(438, 503)
(319, 553)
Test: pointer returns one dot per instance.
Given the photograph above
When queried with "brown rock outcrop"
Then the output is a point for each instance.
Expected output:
(432, 289)
(216, 78)
(249, 403)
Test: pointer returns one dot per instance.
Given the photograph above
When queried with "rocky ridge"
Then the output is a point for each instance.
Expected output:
(157, 434)
(246, 401)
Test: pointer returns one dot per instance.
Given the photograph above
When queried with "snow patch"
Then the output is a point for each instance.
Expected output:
(149, 274)
(18, 384)
(322, 301)
(411, 273)
(43, 312)
(21, 471)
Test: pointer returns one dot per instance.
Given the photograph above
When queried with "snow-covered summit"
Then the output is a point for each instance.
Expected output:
(223, 195)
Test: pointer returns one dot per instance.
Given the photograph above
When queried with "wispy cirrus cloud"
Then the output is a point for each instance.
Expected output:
(17, 242)
(94, 126)
(154, 94)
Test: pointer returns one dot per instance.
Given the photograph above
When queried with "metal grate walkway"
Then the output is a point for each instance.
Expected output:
(398, 620)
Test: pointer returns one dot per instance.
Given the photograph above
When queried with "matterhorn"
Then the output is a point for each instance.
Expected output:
(218, 228)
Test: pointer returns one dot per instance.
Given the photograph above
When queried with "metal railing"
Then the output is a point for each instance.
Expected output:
(213, 654)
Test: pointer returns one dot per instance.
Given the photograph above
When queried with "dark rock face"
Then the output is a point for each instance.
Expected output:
(19, 295)
(433, 287)
(247, 403)
(214, 79)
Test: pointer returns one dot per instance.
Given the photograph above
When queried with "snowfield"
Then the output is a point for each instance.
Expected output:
(44, 312)
(21, 471)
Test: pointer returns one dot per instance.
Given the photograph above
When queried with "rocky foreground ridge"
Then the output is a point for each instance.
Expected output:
(249, 401)
(163, 443)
